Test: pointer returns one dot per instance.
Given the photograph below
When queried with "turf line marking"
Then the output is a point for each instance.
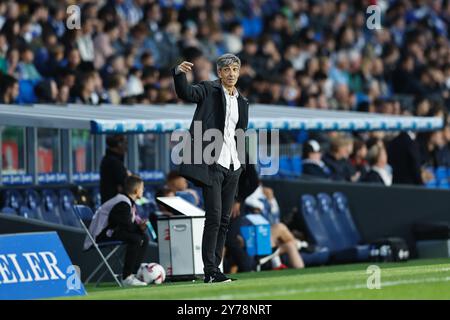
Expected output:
(314, 290)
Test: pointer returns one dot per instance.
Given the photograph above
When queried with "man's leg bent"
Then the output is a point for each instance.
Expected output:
(141, 252)
(133, 241)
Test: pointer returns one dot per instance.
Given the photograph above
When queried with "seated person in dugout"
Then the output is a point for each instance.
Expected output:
(161, 210)
(178, 183)
(123, 224)
(263, 201)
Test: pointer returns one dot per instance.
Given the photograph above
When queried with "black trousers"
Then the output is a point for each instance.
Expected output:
(219, 199)
(136, 242)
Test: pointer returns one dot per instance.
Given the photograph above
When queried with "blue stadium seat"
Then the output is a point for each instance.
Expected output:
(329, 220)
(344, 218)
(442, 177)
(315, 228)
(49, 207)
(26, 213)
(66, 201)
(344, 249)
(285, 166)
(33, 201)
(12, 201)
(296, 163)
(316, 258)
(318, 223)
(434, 182)
(96, 198)
(8, 210)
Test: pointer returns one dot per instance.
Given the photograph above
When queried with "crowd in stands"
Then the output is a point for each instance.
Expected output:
(301, 53)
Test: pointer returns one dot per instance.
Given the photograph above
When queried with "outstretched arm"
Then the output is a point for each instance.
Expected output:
(185, 91)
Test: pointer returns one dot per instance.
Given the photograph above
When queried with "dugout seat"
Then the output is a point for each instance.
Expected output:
(96, 198)
(345, 219)
(66, 201)
(49, 207)
(341, 245)
(85, 215)
(32, 201)
(318, 257)
(296, 164)
(12, 200)
(315, 230)
(442, 177)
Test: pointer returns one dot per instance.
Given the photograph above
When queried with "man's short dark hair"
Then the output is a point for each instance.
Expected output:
(7, 82)
(132, 183)
(114, 140)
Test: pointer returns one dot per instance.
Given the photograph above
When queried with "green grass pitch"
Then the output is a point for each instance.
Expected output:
(416, 279)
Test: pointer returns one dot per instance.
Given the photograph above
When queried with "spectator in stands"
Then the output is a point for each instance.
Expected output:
(337, 159)
(422, 106)
(312, 163)
(116, 88)
(112, 169)
(124, 224)
(358, 157)
(433, 149)
(46, 91)
(9, 89)
(26, 69)
(103, 44)
(86, 91)
(380, 171)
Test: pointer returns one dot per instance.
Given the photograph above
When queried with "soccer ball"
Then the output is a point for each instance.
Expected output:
(151, 273)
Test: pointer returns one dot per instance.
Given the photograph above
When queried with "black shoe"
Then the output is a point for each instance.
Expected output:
(216, 278)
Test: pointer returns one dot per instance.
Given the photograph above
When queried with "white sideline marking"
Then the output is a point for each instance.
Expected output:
(313, 290)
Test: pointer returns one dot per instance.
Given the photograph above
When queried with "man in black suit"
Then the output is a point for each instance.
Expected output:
(404, 157)
(112, 169)
(221, 107)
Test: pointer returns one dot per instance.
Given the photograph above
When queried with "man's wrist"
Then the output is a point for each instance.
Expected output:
(177, 70)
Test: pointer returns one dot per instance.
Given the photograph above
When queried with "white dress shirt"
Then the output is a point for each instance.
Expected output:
(228, 154)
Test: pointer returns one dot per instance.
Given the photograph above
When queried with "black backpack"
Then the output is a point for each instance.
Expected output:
(388, 250)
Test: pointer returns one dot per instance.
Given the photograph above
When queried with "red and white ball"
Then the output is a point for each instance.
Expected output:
(151, 273)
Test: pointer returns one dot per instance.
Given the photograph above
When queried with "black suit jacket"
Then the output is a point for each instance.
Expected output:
(372, 177)
(404, 157)
(112, 175)
(211, 104)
